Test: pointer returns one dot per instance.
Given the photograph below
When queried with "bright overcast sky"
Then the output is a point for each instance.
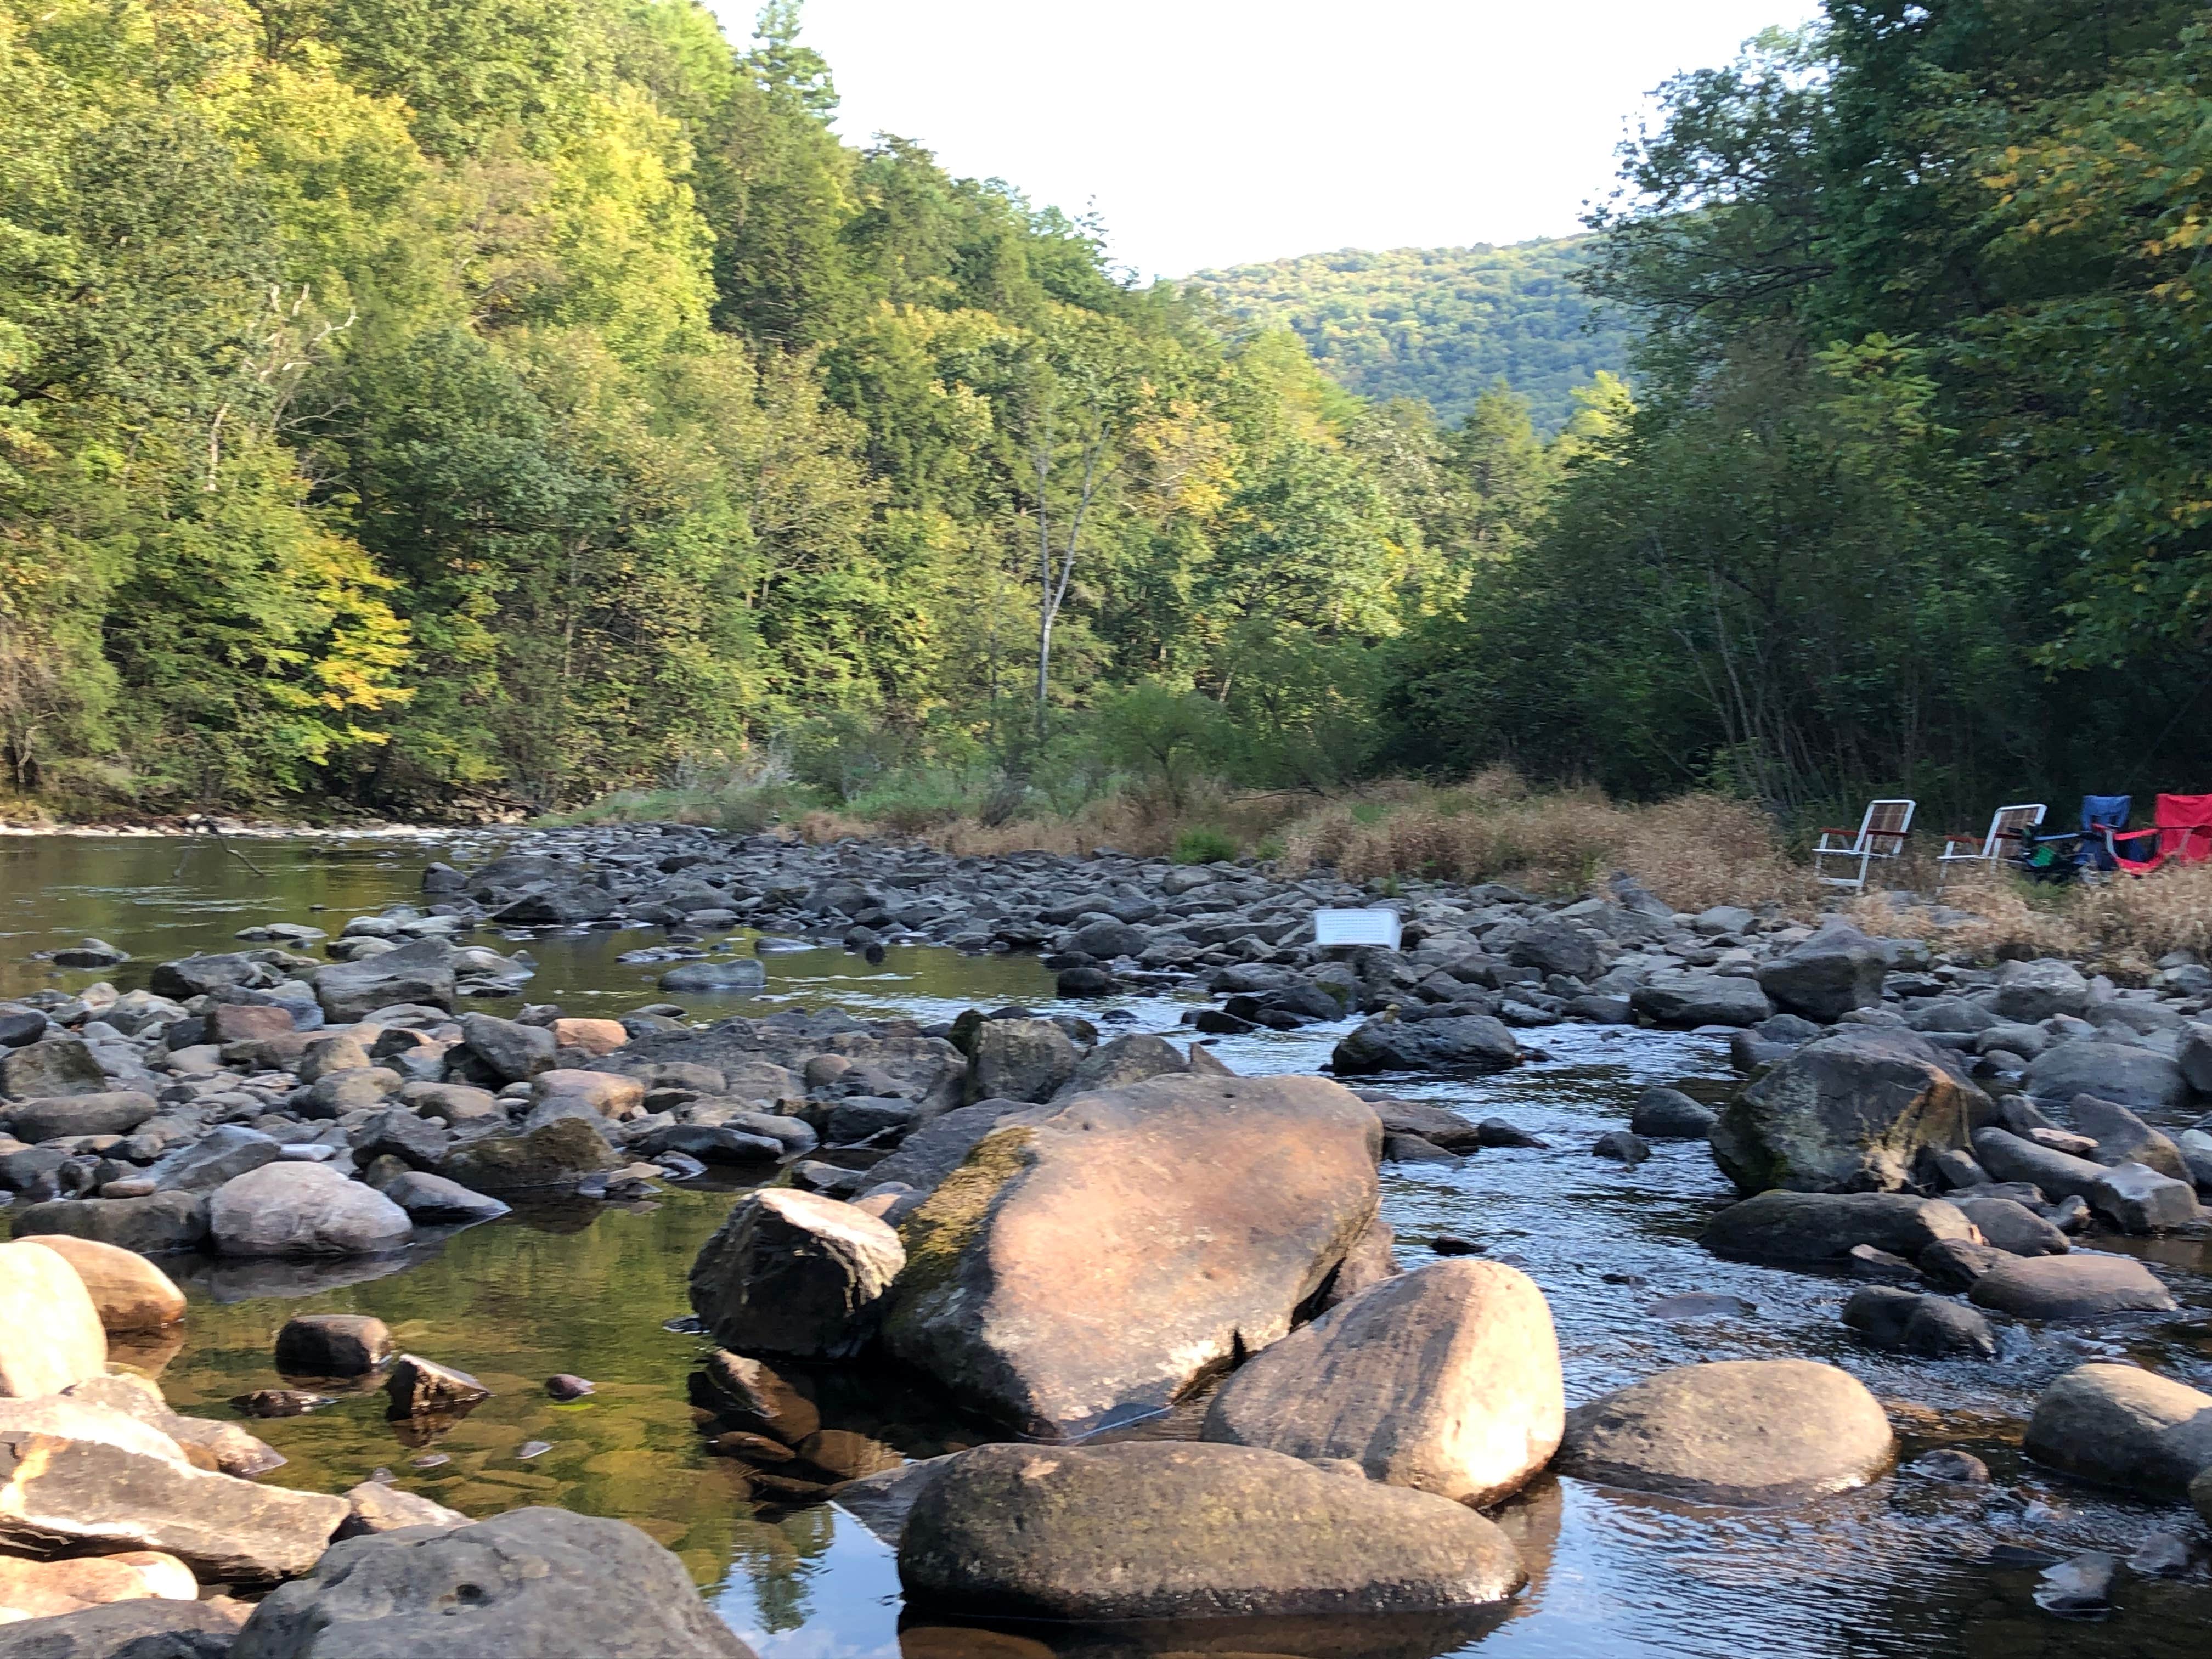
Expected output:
(1216, 132)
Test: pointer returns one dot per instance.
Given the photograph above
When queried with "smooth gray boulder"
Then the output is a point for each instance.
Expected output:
(1786, 1227)
(421, 972)
(432, 1198)
(1746, 1432)
(2140, 1079)
(1166, 1529)
(2137, 1198)
(1855, 1111)
(2123, 1138)
(222, 1154)
(1124, 1060)
(1445, 1379)
(2029, 992)
(721, 974)
(1837, 970)
(528, 1584)
(1089, 1262)
(1685, 999)
(303, 1210)
(1467, 1042)
(151, 1628)
(110, 1112)
(1663, 1113)
(795, 1273)
(2013, 1227)
(2123, 1426)
(1929, 1325)
(2078, 1285)
(2009, 1156)
(1023, 1060)
(57, 1066)
(153, 1225)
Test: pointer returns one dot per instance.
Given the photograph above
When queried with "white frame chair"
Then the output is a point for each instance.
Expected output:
(2007, 823)
(1881, 835)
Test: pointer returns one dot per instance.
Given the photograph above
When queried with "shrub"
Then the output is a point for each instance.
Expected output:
(1203, 845)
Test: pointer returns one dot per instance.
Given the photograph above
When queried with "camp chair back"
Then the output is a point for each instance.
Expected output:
(2181, 830)
(2010, 831)
(1881, 835)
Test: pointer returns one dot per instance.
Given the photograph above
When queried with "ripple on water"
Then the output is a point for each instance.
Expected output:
(1896, 1569)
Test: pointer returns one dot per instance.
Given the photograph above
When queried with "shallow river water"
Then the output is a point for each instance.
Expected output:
(1898, 1568)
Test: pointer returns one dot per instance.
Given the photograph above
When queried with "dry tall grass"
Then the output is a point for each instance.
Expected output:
(1695, 851)
(2123, 926)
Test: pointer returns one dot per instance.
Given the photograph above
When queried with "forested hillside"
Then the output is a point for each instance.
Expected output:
(1918, 494)
(428, 403)
(1443, 324)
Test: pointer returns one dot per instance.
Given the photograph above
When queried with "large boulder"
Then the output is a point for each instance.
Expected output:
(2123, 1426)
(1749, 1432)
(2079, 1285)
(1174, 1530)
(2123, 1138)
(530, 1582)
(2137, 1198)
(1090, 1262)
(1785, 1227)
(111, 1112)
(224, 1153)
(421, 972)
(514, 1052)
(303, 1210)
(1459, 1042)
(61, 1495)
(2140, 1079)
(1023, 1060)
(553, 1154)
(59, 1065)
(129, 1292)
(1118, 1064)
(50, 1331)
(1853, 1112)
(152, 1627)
(794, 1272)
(2009, 1156)
(1837, 970)
(1686, 1000)
(1552, 946)
(157, 1224)
(1445, 1379)
(2029, 992)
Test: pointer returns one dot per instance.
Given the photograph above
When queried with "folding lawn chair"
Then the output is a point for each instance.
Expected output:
(1881, 835)
(2183, 828)
(2010, 831)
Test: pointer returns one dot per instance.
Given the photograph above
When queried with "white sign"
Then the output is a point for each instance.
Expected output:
(1380, 927)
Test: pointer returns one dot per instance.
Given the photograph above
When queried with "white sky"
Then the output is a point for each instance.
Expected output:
(1216, 132)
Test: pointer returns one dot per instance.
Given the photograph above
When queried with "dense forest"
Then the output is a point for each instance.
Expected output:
(1917, 493)
(429, 407)
(1442, 324)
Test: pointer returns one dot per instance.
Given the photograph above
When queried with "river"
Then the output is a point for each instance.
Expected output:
(1898, 1568)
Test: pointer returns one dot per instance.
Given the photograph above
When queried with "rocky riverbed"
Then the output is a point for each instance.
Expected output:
(1975, 1187)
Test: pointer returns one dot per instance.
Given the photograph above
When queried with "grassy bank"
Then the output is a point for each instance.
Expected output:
(2122, 927)
(1695, 851)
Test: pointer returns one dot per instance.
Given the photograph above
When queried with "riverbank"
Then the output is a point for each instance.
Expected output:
(1506, 1037)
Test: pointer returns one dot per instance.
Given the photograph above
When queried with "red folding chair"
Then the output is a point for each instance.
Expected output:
(2183, 828)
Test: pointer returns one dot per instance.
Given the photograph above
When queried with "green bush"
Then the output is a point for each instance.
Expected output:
(1204, 847)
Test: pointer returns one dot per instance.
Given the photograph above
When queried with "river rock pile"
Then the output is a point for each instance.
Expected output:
(1071, 1231)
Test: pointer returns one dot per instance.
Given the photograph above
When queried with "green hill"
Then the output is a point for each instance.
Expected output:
(1439, 324)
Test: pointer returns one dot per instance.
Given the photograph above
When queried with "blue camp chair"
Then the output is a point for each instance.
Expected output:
(2072, 853)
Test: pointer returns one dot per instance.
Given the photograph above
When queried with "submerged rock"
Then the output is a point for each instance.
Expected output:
(1174, 1530)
